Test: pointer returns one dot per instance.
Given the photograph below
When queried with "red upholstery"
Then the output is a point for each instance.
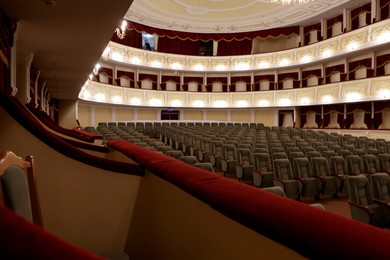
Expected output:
(21, 239)
(312, 232)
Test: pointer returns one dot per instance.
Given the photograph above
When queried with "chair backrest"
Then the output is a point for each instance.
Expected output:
(370, 163)
(245, 156)
(302, 168)
(381, 186)
(354, 164)
(188, 159)
(338, 165)
(282, 169)
(384, 161)
(262, 162)
(229, 152)
(320, 166)
(359, 190)
(205, 166)
(175, 154)
(18, 189)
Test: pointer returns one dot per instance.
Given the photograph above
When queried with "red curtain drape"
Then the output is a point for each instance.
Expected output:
(259, 78)
(128, 74)
(334, 69)
(339, 108)
(357, 11)
(315, 109)
(178, 46)
(234, 47)
(291, 75)
(308, 73)
(378, 108)
(223, 80)
(354, 65)
(384, 9)
(165, 78)
(132, 38)
(246, 79)
(308, 29)
(152, 77)
(381, 61)
(331, 22)
(366, 107)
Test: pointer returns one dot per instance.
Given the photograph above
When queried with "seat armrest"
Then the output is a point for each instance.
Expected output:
(365, 208)
(381, 202)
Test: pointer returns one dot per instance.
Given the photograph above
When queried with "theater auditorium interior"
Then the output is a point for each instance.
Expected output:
(183, 129)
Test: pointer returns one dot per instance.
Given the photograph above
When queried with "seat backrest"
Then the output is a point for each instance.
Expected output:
(370, 163)
(245, 156)
(302, 167)
(205, 166)
(338, 165)
(381, 186)
(282, 169)
(216, 148)
(188, 159)
(262, 162)
(229, 152)
(18, 189)
(175, 153)
(384, 161)
(354, 164)
(320, 166)
(359, 190)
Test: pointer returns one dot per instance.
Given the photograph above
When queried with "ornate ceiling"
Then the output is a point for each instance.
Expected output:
(224, 16)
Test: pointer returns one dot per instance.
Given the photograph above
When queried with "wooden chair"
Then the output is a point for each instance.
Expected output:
(18, 189)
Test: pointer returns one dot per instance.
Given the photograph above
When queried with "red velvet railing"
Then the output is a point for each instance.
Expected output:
(21, 239)
(25, 119)
(314, 233)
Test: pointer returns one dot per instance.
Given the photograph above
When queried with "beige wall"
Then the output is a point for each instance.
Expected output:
(102, 114)
(241, 115)
(180, 226)
(67, 113)
(84, 116)
(217, 115)
(192, 114)
(147, 114)
(268, 117)
(124, 114)
(85, 205)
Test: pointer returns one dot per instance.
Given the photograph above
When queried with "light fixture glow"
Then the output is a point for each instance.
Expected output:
(353, 96)
(220, 67)
(284, 102)
(327, 99)
(198, 103)
(290, 2)
(176, 103)
(156, 64)
(305, 101)
(306, 59)
(384, 93)
(353, 46)
(242, 103)
(96, 69)
(242, 66)
(121, 31)
(135, 101)
(100, 97)
(220, 103)
(284, 62)
(117, 99)
(117, 56)
(263, 103)
(327, 53)
(383, 37)
(263, 64)
(136, 60)
(155, 102)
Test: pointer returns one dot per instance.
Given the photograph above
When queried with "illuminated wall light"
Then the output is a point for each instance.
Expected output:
(117, 99)
(352, 46)
(383, 37)
(199, 67)
(306, 59)
(284, 62)
(305, 101)
(106, 53)
(176, 103)
(198, 103)
(156, 64)
(135, 101)
(263, 64)
(155, 102)
(117, 56)
(90, 76)
(220, 67)
(135, 60)
(96, 69)
(327, 98)
(327, 53)
(242, 66)
(242, 103)
(220, 103)
(353, 96)
(384, 93)
(86, 94)
(263, 103)
(176, 66)
(284, 102)
(100, 97)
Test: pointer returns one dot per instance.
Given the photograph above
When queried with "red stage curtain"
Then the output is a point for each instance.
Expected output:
(234, 47)
(381, 61)
(353, 66)
(286, 31)
(308, 29)
(132, 38)
(307, 74)
(178, 46)
(259, 78)
(357, 11)
(331, 22)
